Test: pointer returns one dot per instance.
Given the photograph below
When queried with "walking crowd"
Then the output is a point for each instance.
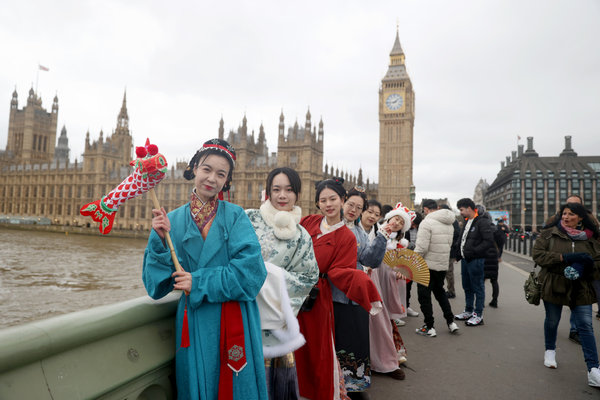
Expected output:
(280, 306)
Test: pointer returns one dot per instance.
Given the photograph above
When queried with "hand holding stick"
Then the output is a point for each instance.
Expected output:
(156, 204)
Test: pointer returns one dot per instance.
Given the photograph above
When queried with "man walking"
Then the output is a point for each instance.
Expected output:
(434, 241)
(476, 238)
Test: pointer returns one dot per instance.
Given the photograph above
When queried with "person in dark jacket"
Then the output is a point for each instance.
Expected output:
(454, 250)
(569, 254)
(475, 240)
(500, 237)
(553, 220)
(490, 269)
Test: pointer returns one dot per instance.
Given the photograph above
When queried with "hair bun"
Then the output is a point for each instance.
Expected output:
(338, 180)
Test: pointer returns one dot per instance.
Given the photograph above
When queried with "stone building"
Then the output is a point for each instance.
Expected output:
(31, 131)
(532, 188)
(396, 125)
(51, 186)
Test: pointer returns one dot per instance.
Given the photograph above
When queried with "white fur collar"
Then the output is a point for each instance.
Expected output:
(284, 223)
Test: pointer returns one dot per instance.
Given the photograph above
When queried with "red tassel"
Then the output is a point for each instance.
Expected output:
(220, 196)
(185, 332)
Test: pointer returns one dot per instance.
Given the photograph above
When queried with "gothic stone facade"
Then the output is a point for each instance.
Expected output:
(49, 185)
(532, 188)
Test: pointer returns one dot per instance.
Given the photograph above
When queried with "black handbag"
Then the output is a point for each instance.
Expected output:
(533, 288)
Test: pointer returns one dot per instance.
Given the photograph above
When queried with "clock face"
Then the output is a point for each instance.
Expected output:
(394, 101)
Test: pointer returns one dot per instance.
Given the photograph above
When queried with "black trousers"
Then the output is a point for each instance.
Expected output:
(436, 285)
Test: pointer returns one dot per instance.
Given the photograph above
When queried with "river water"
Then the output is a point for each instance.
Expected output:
(43, 274)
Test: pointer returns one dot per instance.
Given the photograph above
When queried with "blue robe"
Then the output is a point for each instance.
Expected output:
(227, 266)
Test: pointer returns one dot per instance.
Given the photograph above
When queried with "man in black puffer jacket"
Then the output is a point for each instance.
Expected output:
(475, 240)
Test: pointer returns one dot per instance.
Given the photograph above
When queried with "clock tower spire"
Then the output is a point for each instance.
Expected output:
(396, 124)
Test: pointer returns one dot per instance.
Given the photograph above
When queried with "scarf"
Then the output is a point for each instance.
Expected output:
(284, 223)
(574, 233)
(203, 212)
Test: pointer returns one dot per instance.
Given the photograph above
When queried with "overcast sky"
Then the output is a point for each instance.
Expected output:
(483, 72)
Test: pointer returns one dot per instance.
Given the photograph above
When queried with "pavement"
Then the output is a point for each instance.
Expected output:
(503, 359)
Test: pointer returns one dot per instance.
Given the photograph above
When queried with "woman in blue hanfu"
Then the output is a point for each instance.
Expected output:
(292, 272)
(218, 335)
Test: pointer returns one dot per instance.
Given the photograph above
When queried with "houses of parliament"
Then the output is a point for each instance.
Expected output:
(38, 180)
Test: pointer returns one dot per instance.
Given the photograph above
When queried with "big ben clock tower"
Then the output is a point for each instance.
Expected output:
(396, 123)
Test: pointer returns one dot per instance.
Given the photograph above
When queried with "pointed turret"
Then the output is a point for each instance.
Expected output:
(244, 126)
(261, 134)
(396, 69)
(360, 177)
(14, 103)
(221, 128)
(123, 118)
(397, 49)
(320, 138)
(61, 151)
(281, 124)
(55, 104)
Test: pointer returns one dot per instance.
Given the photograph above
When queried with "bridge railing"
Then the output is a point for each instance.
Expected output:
(521, 243)
(123, 350)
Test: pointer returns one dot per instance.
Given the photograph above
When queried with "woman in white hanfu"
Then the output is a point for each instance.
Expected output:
(291, 273)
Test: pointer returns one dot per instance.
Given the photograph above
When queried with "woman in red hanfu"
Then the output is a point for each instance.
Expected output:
(335, 250)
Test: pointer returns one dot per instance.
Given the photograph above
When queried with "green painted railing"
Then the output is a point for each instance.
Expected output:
(119, 351)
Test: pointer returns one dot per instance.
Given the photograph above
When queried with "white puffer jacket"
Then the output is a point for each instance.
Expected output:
(434, 239)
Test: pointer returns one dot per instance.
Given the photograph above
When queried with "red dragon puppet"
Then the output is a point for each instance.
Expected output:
(150, 169)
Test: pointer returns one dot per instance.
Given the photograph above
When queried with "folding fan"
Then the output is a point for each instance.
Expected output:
(409, 264)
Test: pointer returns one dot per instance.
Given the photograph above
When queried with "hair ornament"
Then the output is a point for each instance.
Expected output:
(222, 146)
(360, 189)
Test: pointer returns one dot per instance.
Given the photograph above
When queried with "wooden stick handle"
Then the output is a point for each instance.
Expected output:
(178, 266)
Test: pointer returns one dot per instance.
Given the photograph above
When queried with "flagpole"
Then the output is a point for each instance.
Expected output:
(37, 76)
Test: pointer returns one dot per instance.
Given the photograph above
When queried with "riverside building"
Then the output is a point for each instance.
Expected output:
(532, 188)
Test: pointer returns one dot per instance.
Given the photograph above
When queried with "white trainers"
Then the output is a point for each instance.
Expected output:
(463, 316)
(424, 331)
(475, 320)
(411, 313)
(399, 322)
(594, 377)
(550, 361)
(453, 327)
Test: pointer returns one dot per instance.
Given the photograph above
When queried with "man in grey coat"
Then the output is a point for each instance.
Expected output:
(434, 241)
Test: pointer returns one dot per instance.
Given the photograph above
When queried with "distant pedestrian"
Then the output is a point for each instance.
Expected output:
(454, 255)
(490, 269)
(569, 253)
(476, 239)
(500, 237)
(434, 242)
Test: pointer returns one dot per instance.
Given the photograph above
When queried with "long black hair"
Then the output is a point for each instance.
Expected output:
(580, 211)
(218, 147)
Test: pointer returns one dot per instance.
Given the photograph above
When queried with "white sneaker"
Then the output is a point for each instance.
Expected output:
(463, 316)
(475, 320)
(594, 377)
(411, 313)
(399, 322)
(426, 332)
(550, 361)
(453, 327)
(401, 360)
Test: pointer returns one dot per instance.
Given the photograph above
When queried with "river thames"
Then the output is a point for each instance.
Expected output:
(43, 274)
